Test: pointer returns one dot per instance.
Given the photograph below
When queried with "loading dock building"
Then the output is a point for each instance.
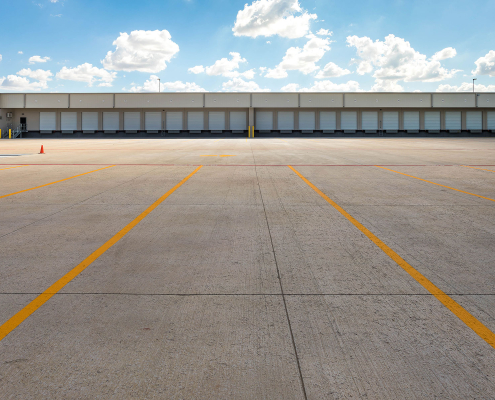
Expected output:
(162, 114)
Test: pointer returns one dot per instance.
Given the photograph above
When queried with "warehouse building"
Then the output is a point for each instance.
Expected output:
(168, 114)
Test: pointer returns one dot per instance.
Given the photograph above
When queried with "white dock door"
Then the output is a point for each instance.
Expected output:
(411, 120)
(490, 120)
(432, 120)
(174, 121)
(285, 121)
(238, 121)
(369, 120)
(307, 121)
(110, 121)
(328, 120)
(474, 120)
(453, 121)
(132, 121)
(264, 120)
(195, 120)
(153, 121)
(48, 121)
(68, 121)
(89, 121)
(390, 120)
(348, 120)
(216, 120)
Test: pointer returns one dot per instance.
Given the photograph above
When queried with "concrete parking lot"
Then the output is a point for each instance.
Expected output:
(247, 269)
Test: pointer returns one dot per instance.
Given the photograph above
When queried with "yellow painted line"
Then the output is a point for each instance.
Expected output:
(52, 183)
(438, 184)
(481, 330)
(227, 155)
(19, 166)
(21, 316)
(481, 169)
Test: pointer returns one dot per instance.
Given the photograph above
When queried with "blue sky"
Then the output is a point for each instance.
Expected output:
(229, 45)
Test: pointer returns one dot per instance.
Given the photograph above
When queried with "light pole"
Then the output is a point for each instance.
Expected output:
(158, 85)
(474, 79)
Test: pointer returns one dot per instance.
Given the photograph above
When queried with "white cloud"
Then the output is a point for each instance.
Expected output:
(448, 52)
(87, 73)
(466, 87)
(14, 83)
(386, 85)
(303, 60)
(240, 85)
(38, 59)
(324, 32)
(39, 74)
(324, 86)
(198, 69)
(285, 18)
(20, 52)
(332, 70)
(395, 60)
(0, 57)
(225, 67)
(144, 51)
(485, 65)
(151, 85)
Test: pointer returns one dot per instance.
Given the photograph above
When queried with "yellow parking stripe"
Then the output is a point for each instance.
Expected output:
(18, 318)
(19, 166)
(473, 323)
(52, 183)
(481, 169)
(438, 184)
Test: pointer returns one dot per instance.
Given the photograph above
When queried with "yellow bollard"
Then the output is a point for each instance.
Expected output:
(0, 133)
(249, 131)
(10, 133)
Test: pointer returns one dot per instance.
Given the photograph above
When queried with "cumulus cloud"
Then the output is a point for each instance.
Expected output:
(485, 65)
(20, 52)
(285, 18)
(0, 57)
(324, 86)
(225, 67)
(87, 73)
(240, 85)
(38, 59)
(144, 51)
(386, 85)
(324, 32)
(332, 70)
(198, 69)
(151, 85)
(304, 60)
(38, 75)
(466, 87)
(14, 83)
(395, 60)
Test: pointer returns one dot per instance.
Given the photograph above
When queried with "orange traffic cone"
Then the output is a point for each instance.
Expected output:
(42, 151)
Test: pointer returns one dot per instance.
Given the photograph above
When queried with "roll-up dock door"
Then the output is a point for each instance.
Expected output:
(432, 121)
(369, 121)
(348, 121)
(391, 121)
(153, 121)
(174, 121)
(132, 121)
(238, 121)
(307, 122)
(328, 121)
(89, 122)
(264, 120)
(68, 122)
(111, 122)
(411, 121)
(48, 122)
(453, 121)
(216, 121)
(285, 121)
(195, 121)
(474, 121)
(490, 120)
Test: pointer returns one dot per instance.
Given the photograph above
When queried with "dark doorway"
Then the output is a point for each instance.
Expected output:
(23, 124)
